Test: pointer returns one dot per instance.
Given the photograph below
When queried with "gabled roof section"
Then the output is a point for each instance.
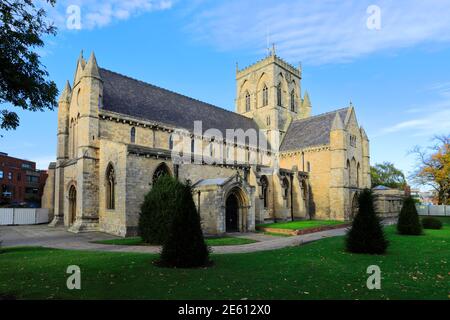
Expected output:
(312, 131)
(135, 98)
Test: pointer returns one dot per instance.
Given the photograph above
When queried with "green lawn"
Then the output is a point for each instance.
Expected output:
(415, 267)
(301, 224)
(220, 241)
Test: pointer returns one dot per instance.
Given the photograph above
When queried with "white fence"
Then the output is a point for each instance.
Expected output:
(433, 210)
(16, 216)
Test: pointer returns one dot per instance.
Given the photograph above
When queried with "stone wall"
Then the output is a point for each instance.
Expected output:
(388, 202)
(48, 196)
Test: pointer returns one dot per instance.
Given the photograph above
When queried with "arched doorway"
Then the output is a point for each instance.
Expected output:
(232, 213)
(72, 204)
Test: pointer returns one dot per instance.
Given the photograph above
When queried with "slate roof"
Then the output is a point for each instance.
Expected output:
(135, 98)
(312, 131)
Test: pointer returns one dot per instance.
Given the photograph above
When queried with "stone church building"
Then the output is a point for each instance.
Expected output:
(117, 135)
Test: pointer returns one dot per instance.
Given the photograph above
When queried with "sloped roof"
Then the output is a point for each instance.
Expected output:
(312, 131)
(135, 98)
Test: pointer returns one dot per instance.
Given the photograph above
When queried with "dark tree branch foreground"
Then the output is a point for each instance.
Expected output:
(23, 81)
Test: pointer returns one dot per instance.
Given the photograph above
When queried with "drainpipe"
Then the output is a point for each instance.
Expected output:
(292, 195)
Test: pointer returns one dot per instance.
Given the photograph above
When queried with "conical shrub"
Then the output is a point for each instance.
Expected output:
(366, 234)
(158, 208)
(408, 220)
(185, 246)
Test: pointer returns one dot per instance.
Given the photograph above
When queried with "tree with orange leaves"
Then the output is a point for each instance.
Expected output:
(434, 167)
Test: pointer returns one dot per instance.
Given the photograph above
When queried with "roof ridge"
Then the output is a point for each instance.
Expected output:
(173, 92)
(322, 114)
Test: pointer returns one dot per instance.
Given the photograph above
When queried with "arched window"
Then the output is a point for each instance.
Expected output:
(292, 101)
(264, 190)
(170, 142)
(265, 96)
(160, 171)
(110, 187)
(211, 150)
(279, 101)
(247, 101)
(354, 173)
(133, 135)
(308, 166)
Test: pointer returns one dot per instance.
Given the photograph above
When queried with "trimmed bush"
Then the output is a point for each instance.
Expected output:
(185, 246)
(408, 219)
(366, 234)
(158, 209)
(431, 223)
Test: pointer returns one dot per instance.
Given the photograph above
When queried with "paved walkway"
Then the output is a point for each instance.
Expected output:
(42, 235)
(59, 238)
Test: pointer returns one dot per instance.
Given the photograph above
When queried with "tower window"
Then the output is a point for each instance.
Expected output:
(247, 101)
(265, 99)
(292, 101)
(279, 94)
(268, 120)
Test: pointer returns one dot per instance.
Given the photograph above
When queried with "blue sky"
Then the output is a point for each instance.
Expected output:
(398, 77)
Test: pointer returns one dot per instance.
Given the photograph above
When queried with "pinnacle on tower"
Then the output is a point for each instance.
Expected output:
(66, 93)
(81, 63)
(91, 69)
(306, 101)
(363, 134)
(337, 123)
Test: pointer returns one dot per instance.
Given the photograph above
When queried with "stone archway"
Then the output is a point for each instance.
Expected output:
(232, 213)
(236, 210)
(72, 205)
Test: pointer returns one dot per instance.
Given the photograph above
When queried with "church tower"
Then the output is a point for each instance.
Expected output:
(269, 92)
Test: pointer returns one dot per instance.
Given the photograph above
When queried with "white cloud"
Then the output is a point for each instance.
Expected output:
(100, 13)
(434, 123)
(320, 31)
(431, 119)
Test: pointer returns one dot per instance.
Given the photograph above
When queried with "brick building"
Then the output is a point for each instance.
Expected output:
(20, 182)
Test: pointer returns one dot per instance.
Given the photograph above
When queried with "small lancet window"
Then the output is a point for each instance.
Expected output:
(265, 98)
(279, 95)
(133, 135)
(110, 187)
(247, 101)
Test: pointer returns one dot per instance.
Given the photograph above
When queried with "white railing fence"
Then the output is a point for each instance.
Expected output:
(433, 210)
(18, 216)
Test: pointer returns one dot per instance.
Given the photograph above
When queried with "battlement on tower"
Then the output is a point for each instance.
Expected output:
(273, 58)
